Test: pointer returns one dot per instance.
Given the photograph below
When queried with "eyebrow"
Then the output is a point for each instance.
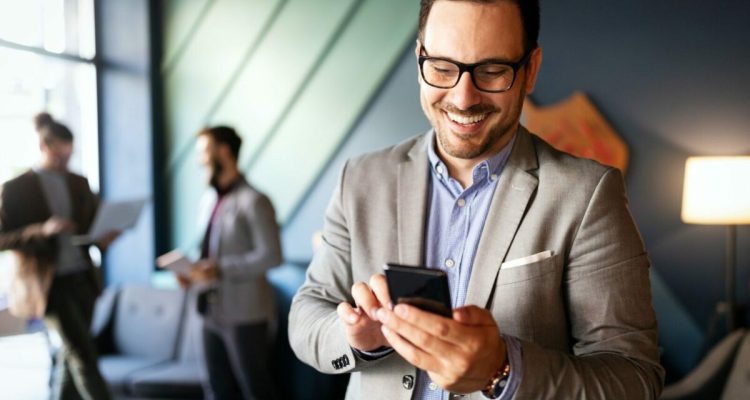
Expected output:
(499, 60)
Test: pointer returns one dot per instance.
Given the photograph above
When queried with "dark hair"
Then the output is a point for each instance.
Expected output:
(225, 135)
(50, 129)
(529, 18)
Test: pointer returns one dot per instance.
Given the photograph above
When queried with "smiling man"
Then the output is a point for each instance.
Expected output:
(547, 272)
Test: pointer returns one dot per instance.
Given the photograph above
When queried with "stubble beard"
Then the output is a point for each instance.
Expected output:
(465, 149)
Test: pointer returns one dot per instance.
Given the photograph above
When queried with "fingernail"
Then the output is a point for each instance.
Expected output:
(385, 330)
(390, 306)
(352, 319)
(400, 311)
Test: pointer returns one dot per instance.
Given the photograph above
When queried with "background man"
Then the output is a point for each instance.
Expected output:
(547, 271)
(240, 244)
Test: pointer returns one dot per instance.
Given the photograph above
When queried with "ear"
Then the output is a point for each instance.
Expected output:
(417, 50)
(532, 69)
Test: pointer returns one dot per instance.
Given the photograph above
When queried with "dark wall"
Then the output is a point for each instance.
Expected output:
(672, 78)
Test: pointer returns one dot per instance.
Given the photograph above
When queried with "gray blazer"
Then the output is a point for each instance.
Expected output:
(582, 310)
(245, 244)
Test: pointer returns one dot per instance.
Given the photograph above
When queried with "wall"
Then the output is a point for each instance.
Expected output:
(671, 77)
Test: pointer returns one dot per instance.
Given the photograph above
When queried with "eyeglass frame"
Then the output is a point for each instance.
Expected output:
(462, 67)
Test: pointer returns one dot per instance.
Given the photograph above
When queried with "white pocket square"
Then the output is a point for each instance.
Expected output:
(518, 262)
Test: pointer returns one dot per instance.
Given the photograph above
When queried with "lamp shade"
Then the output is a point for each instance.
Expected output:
(717, 190)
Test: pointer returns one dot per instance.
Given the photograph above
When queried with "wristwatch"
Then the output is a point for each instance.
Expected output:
(497, 383)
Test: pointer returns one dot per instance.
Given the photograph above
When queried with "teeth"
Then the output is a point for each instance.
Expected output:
(466, 119)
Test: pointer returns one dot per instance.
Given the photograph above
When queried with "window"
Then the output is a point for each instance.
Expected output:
(46, 64)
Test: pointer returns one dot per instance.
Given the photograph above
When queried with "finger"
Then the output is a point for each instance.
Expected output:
(408, 351)
(473, 315)
(416, 335)
(379, 286)
(365, 299)
(347, 313)
(436, 325)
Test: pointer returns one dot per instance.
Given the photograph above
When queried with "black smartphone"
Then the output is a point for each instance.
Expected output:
(421, 287)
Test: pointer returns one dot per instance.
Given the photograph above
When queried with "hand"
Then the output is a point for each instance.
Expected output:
(56, 225)
(183, 281)
(459, 354)
(107, 239)
(361, 324)
(204, 271)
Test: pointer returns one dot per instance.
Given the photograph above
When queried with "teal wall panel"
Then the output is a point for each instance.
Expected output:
(278, 70)
(198, 78)
(181, 18)
(335, 97)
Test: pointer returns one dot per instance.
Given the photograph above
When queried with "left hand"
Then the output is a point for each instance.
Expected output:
(204, 271)
(459, 354)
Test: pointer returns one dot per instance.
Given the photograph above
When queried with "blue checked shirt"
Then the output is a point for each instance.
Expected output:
(454, 226)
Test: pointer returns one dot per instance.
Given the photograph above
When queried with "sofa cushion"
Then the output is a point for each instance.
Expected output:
(738, 384)
(147, 322)
(117, 369)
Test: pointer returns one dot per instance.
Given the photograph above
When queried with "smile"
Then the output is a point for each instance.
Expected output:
(466, 119)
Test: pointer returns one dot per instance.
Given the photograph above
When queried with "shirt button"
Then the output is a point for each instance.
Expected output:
(449, 263)
(440, 169)
(433, 386)
(461, 202)
(493, 177)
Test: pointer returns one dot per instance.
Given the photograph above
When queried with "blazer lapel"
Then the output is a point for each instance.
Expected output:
(412, 204)
(512, 195)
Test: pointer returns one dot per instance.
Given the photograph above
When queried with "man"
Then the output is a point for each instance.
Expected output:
(240, 244)
(547, 272)
(39, 211)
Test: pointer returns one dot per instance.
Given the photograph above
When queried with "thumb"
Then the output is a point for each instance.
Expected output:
(473, 315)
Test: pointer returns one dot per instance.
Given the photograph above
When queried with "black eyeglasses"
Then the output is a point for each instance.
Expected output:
(487, 76)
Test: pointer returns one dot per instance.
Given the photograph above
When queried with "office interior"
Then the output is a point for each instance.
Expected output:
(309, 84)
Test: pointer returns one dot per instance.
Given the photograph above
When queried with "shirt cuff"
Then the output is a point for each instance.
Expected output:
(515, 358)
(372, 355)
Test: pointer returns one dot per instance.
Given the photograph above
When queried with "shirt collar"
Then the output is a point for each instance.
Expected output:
(487, 168)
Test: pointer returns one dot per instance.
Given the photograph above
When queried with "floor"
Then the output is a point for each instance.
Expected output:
(24, 367)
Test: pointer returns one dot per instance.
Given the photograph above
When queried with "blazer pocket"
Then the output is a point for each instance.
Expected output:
(524, 272)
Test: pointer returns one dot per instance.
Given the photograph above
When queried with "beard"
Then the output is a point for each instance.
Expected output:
(215, 173)
(461, 146)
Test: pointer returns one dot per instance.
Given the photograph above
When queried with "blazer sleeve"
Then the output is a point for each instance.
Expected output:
(266, 252)
(612, 321)
(14, 235)
(316, 334)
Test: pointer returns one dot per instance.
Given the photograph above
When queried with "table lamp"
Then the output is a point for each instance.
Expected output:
(717, 192)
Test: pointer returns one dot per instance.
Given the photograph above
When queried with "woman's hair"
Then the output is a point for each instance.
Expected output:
(49, 129)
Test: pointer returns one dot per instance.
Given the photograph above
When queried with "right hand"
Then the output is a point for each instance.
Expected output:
(361, 324)
(56, 225)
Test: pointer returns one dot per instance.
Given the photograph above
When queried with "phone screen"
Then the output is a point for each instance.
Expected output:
(424, 288)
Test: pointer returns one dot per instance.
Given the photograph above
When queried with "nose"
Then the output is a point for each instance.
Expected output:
(465, 94)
